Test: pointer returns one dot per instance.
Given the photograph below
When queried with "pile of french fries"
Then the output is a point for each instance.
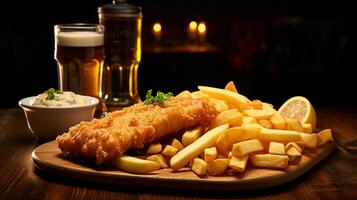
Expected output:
(244, 133)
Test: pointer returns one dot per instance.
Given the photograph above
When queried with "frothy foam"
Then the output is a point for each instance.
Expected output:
(79, 39)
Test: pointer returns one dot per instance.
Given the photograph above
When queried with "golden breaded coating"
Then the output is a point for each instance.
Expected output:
(135, 126)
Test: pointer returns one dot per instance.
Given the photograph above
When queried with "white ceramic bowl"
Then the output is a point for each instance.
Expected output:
(48, 122)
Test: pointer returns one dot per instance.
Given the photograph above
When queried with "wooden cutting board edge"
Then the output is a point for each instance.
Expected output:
(167, 182)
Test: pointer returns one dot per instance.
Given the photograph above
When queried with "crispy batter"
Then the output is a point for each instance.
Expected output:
(132, 127)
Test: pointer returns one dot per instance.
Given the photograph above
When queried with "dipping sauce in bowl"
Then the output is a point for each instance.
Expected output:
(59, 99)
(52, 113)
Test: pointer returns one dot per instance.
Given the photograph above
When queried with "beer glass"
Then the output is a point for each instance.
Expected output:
(122, 42)
(79, 53)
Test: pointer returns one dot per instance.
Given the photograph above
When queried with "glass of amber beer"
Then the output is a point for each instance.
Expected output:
(79, 53)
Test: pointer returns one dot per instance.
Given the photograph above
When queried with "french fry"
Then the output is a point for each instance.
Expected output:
(265, 104)
(199, 166)
(324, 136)
(233, 117)
(159, 159)
(217, 166)
(177, 144)
(233, 135)
(219, 104)
(259, 114)
(231, 87)
(308, 140)
(277, 148)
(257, 104)
(247, 147)
(210, 154)
(134, 165)
(279, 135)
(246, 105)
(307, 128)
(248, 120)
(269, 160)
(198, 94)
(278, 121)
(238, 163)
(265, 123)
(269, 107)
(294, 152)
(191, 135)
(169, 151)
(229, 96)
(183, 157)
(154, 148)
(291, 151)
(274, 134)
(294, 144)
(224, 143)
(294, 125)
(252, 125)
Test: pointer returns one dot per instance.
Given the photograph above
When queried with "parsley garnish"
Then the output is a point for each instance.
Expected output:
(51, 93)
(149, 98)
(160, 97)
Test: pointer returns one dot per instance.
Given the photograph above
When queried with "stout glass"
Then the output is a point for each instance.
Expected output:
(79, 52)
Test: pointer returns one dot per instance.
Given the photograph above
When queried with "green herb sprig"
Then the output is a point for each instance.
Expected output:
(51, 93)
(160, 97)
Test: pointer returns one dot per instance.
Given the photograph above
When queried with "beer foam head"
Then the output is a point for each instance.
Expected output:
(79, 39)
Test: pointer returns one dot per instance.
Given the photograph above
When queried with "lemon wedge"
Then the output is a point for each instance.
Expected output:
(299, 108)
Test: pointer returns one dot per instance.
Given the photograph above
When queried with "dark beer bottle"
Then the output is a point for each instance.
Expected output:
(122, 44)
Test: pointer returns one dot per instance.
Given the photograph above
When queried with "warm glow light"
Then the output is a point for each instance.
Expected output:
(193, 25)
(201, 27)
(156, 27)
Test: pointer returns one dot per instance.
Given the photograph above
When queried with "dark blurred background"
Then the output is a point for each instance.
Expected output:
(271, 49)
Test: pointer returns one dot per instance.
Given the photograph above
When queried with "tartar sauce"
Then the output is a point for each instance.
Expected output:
(59, 99)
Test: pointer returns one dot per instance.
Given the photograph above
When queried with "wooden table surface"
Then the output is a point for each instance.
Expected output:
(334, 178)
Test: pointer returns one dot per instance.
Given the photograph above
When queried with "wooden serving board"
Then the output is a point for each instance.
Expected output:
(49, 158)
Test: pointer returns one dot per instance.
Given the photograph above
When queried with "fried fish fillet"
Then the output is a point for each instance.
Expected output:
(135, 126)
